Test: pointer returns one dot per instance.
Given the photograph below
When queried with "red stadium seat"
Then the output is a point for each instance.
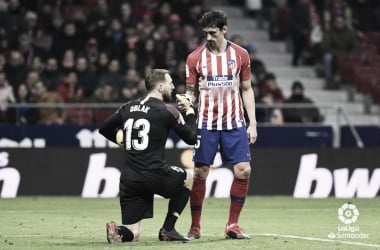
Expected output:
(373, 38)
(100, 115)
(367, 49)
(79, 116)
(363, 75)
(373, 59)
(375, 91)
(345, 63)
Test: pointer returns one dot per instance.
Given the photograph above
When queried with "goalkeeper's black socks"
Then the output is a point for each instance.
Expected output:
(125, 233)
(176, 205)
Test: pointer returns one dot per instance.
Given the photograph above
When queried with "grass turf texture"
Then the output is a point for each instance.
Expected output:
(273, 223)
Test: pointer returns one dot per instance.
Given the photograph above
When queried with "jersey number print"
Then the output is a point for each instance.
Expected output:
(143, 127)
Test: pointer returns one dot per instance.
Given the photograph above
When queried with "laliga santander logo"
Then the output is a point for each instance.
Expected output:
(348, 213)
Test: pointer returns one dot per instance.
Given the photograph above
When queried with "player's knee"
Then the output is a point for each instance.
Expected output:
(242, 170)
(201, 171)
(189, 180)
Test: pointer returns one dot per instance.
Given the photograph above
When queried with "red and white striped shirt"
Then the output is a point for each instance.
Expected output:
(220, 105)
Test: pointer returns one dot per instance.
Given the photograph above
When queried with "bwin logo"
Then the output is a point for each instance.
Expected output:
(360, 183)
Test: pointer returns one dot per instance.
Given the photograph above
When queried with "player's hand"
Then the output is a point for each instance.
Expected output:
(120, 138)
(185, 103)
(252, 133)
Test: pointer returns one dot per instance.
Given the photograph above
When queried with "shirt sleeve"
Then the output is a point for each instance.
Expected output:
(110, 126)
(245, 73)
(185, 128)
(191, 70)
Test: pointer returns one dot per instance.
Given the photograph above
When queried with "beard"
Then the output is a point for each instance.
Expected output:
(211, 44)
(167, 97)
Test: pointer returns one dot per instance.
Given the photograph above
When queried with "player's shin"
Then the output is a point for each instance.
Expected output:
(238, 194)
(176, 205)
(196, 201)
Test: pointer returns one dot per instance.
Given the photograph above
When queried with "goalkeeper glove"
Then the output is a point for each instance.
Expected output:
(120, 138)
(185, 101)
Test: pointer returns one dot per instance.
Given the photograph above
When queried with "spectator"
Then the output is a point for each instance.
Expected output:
(266, 112)
(340, 39)
(69, 90)
(24, 115)
(130, 89)
(113, 74)
(15, 69)
(258, 67)
(30, 24)
(68, 61)
(174, 27)
(32, 78)
(69, 39)
(49, 116)
(3, 61)
(334, 9)
(105, 92)
(148, 53)
(131, 62)
(14, 21)
(86, 78)
(42, 42)
(26, 49)
(270, 85)
(125, 15)
(189, 37)
(37, 64)
(145, 27)
(101, 64)
(6, 96)
(162, 16)
(300, 114)
(299, 29)
(51, 75)
(365, 15)
(179, 77)
(114, 40)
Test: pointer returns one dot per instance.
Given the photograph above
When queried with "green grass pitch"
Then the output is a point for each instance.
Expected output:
(273, 222)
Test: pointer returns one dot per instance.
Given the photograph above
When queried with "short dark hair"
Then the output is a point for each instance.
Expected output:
(213, 18)
(297, 84)
(155, 76)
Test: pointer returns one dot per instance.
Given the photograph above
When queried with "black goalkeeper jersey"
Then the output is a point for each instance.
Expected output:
(146, 125)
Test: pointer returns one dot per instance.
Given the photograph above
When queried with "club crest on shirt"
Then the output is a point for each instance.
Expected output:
(231, 64)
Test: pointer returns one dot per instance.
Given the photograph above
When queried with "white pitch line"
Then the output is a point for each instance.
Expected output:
(320, 239)
(44, 235)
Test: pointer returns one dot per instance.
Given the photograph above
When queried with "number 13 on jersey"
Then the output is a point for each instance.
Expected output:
(143, 127)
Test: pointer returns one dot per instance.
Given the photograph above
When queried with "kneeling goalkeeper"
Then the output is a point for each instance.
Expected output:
(141, 128)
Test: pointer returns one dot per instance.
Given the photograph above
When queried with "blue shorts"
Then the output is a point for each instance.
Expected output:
(233, 145)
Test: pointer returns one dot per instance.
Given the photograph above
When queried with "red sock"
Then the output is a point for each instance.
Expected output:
(238, 194)
(196, 200)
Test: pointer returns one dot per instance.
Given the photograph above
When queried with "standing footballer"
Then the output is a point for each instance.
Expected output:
(221, 71)
(141, 128)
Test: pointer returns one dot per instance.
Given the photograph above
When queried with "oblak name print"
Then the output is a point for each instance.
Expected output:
(139, 108)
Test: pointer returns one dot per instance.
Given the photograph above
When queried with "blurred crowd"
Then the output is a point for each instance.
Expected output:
(319, 30)
(89, 50)
(317, 33)
(98, 51)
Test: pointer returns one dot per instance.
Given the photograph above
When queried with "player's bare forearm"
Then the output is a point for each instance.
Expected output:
(249, 104)
(190, 90)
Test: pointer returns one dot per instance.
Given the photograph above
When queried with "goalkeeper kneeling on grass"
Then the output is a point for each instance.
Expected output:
(140, 127)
